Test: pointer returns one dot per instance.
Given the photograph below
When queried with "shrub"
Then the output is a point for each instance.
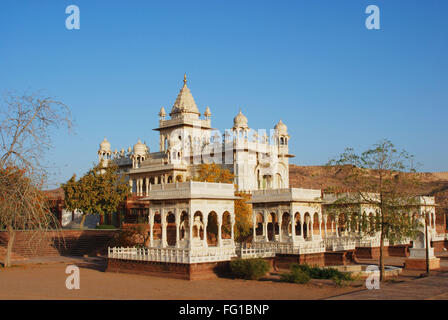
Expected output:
(322, 273)
(295, 276)
(251, 269)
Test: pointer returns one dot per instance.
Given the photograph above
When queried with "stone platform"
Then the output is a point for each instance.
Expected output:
(193, 271)
(420, 264)
(186, 271)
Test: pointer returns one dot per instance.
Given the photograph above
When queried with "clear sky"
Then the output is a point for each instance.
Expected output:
(311, 63)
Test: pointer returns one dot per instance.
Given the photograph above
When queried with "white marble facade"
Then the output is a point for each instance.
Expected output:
(259, 159)
(291, 220)
(285, 220)
(189, 205)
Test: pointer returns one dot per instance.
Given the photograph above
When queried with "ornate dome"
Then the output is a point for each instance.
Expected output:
(240, 121)
(281, 127)
(140, 148)
(185, 101)
(162, 112)
(105, 145)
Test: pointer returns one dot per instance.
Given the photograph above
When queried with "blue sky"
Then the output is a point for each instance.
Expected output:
(312, 64)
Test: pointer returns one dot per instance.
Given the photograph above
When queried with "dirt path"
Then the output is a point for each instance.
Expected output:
(433, 287)
(48, 282)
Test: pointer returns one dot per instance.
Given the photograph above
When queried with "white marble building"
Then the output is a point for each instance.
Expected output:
(285, 220)
(258, 159)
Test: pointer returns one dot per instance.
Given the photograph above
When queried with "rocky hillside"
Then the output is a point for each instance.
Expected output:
(318, 177)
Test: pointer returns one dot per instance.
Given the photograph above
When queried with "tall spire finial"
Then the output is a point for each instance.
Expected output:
(185, 79)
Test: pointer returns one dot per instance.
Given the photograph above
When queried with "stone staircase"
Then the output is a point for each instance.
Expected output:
(72, 243)
(90, 243)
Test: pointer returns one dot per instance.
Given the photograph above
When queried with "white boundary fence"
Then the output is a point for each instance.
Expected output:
(244, 252)
(339, 244)
(304, 247)
(172, 255)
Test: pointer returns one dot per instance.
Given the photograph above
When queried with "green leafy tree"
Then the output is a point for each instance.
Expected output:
(213, 173)
(381, 177)
(99, 191)
(243, 216)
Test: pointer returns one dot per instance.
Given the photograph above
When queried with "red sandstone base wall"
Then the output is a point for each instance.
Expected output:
(439, 245)
(370, 253)
(401, 250)
(420, 264)
(195, 271)
(337, 258)
(284, 261)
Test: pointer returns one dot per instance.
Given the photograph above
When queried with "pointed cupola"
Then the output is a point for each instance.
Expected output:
(185, 102)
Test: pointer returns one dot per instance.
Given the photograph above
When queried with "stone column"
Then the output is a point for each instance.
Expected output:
(151, 228)
(320, 226)
(163, 217)
(254, 226)
(131, 185)
(311, 227)
(220, 230)
(293, 226)
(190, 227)
(280, 221)
(147, 186)
(337, 227)
(205, 222)
(325, 226)
(265, 231)
(302, 221)
(177, 215)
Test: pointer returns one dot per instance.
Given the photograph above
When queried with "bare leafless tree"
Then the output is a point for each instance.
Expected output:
(26, 124)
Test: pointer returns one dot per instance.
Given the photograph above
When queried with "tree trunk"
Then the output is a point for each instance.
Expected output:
(381, 255)
(12, 236)
(81, 225)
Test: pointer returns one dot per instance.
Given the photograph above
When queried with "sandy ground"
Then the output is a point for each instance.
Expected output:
(48, 282)
(44, 278)
(434, 287)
